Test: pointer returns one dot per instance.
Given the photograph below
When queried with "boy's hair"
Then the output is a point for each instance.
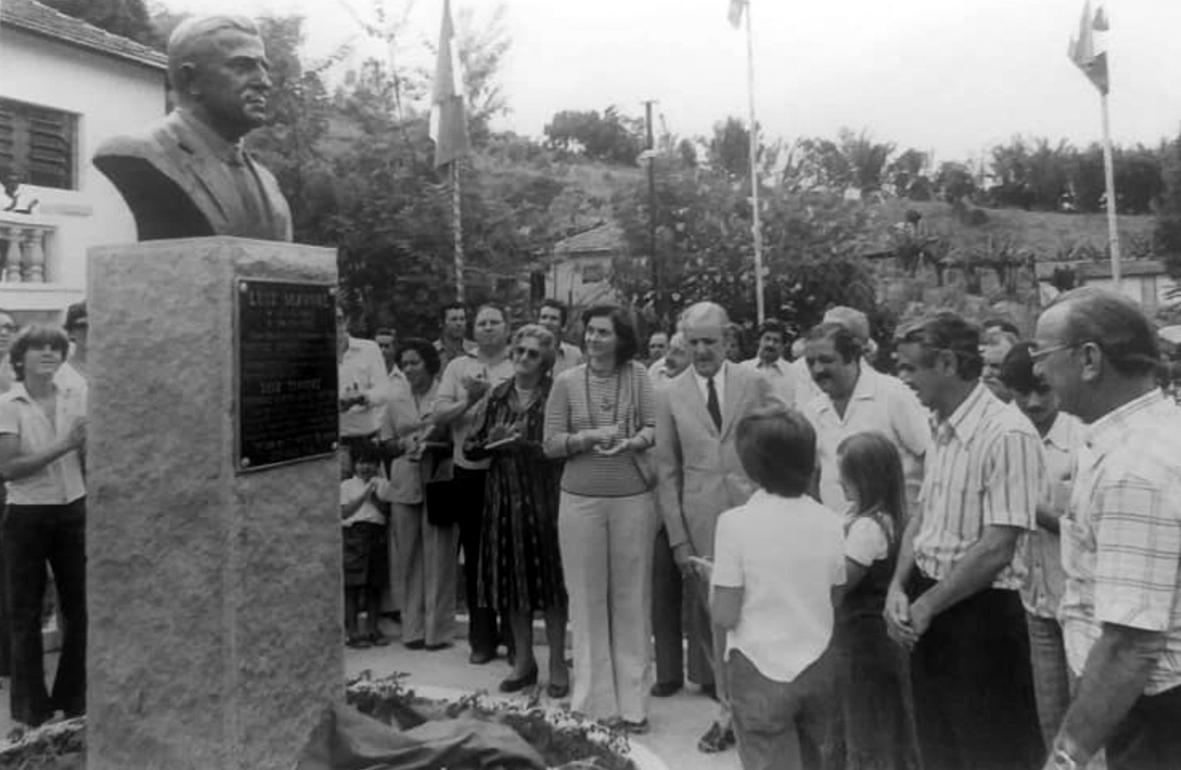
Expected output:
(1017, 370)
(777, 449)
(871, 464)
(34, 336)
(366, 454)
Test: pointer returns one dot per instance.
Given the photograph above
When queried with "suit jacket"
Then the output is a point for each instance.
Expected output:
(177, 188)
(698, 475)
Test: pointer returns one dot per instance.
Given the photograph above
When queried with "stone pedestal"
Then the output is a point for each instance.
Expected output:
(215, 596)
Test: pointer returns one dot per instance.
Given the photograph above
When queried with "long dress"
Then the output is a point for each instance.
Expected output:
(874, 724)
(520, 562)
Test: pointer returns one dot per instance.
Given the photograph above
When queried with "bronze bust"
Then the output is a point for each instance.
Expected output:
(188, 175)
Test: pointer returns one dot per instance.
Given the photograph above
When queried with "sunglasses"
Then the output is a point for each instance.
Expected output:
(528, 352)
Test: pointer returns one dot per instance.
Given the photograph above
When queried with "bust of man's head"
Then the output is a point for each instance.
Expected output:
(219, 71)
(187, 175)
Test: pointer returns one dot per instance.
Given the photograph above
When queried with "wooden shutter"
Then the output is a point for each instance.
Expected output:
(40, 141)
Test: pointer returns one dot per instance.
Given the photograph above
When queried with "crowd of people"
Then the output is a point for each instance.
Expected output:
(970, 562)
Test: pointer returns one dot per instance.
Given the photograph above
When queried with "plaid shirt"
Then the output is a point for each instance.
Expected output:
(1121, 540)
(1042, 592)
(984, 469)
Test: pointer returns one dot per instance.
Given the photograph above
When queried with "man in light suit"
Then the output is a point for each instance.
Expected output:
(189, 176)
(698, 472)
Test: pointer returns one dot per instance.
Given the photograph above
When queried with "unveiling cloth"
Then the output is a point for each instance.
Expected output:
(346, 739)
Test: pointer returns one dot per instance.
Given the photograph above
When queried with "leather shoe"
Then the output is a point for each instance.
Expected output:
(665, 689)
(716, 739)
(521, 682)
(635, 728)
(416, 644)
(436, 647)
(480, 657)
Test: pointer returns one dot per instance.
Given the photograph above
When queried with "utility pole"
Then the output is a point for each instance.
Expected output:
(653, 261)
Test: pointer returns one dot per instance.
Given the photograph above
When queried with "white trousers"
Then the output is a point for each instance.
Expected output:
(606, 545)
(426, 568)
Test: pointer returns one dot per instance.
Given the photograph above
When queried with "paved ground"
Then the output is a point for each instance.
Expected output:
(677, 722)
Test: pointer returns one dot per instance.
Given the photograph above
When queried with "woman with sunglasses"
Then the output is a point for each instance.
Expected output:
(520, 570)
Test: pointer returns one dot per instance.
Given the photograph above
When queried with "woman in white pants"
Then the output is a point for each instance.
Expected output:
(600, 418)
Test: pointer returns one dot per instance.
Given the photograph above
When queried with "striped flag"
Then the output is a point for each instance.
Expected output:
(1089, 50)
(735, 13)
(448, 128)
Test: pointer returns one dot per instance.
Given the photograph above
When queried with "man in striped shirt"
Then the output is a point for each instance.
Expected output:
(954, 597)
(1121, 539)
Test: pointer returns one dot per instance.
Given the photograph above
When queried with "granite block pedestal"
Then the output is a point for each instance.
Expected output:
(215, 595)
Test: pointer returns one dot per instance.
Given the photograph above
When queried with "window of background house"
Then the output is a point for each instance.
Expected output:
(39, 141)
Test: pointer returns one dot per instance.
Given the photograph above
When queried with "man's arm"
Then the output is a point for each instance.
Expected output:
(15, 465)
(974, 572)
(451, 401)
(668, 473)
(897, 609)
(1115, 675)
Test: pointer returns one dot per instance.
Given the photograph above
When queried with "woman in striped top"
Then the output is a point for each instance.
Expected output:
(600, 419)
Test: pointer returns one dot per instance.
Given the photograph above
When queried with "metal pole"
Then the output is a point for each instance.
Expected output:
(653, 261)
(756, 231)
(457, 230)
(1109, 174)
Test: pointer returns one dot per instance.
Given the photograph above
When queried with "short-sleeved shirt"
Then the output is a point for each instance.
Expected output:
(779, 374)
(1121, 538)
(1042, 592)
(362, 370)
(866, 540)
(59, 482)
(786, 554)
(351, 488)
(451, 391)
(984, 469)
(879, 403)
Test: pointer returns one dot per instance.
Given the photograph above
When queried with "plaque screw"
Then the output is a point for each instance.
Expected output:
(335, 446)
(243, 286)
(245, 462)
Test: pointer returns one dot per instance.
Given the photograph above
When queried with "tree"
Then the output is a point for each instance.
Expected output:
(954, 181)
(811, 245)
(729, 148)
(1168, 212)
(610, 137)
(128, 18)
(906, 174)
(866, 159)
(482, 48)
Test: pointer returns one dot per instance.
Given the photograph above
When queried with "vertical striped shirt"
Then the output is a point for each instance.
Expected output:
(1121, 540)
(985, 469)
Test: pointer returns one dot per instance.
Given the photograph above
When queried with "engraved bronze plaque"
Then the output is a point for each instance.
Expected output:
(285, 333)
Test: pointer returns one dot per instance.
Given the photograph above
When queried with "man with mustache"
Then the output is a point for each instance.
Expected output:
(854, 397)
(189, 176)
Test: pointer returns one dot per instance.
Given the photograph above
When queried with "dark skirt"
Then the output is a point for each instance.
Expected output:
(874, 725)
(366, 556)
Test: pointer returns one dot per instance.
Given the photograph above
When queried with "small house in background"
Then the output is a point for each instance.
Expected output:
(66, 86)
(1144, 280)
(580, 269)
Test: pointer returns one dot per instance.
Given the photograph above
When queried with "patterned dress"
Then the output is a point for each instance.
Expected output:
(874, 724)
(520, 565)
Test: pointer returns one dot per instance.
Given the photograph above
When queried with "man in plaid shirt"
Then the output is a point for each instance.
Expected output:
(1121, 539)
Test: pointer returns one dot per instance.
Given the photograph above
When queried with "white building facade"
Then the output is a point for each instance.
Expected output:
(66, 87)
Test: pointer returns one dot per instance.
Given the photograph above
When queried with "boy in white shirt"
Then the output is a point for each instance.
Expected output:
(778, 561)
(366, 568)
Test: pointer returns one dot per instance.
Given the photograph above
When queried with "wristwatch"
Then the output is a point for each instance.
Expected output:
(1061, 760)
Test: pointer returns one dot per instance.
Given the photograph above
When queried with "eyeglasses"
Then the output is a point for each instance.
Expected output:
(8, 327)
(528, 352)
(1036, 354)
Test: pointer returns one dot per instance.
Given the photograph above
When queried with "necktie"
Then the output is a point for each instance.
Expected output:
(715, 411)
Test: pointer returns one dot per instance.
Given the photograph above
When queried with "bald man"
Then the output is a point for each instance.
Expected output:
(189, 176)
(698, 472)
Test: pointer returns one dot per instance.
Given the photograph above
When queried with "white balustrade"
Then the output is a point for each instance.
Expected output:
(26, 244)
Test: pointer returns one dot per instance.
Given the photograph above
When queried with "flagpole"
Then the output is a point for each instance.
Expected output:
(457, 229)
(1109, 174)
(756, 230)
